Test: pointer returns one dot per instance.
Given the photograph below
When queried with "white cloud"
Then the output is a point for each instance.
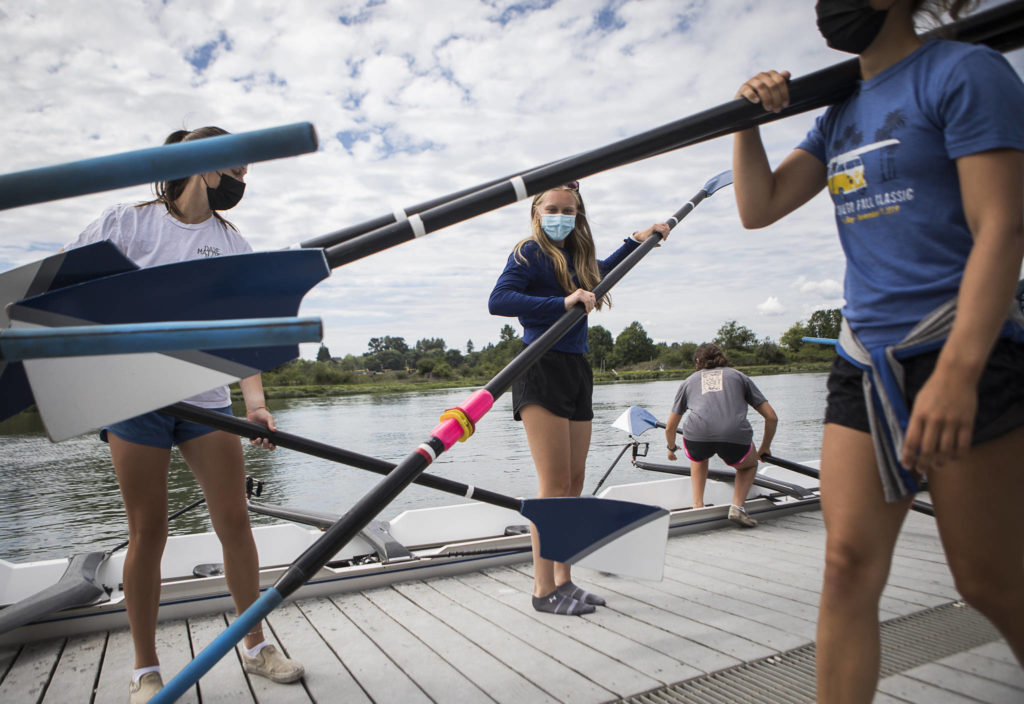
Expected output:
(826, 288)
(771, 306)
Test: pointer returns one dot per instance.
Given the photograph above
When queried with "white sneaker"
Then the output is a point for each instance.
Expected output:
(739, 516)
(270, 663)
(145, 689)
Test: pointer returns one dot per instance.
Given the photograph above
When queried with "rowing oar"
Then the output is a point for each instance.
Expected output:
(644, 525)
(133, 338)
(1001, 27)
(164, 163)
(77, 394)
(820, 340)
(917, 505)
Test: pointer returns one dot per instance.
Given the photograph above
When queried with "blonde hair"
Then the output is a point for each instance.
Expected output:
(579, 245)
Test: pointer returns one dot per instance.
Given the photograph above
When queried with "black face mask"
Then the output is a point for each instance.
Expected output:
(849, 25)
(227, 194)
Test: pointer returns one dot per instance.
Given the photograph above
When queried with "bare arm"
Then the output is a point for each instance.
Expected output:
(256, 410)
(670, 433)
(771, 422)
(764, 196)
(942, 419)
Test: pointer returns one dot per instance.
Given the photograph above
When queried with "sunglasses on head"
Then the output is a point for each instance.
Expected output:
(573, 185)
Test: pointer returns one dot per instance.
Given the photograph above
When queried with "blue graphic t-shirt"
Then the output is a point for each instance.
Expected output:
(890, 150)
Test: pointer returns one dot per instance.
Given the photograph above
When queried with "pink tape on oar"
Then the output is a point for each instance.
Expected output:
(458, 424)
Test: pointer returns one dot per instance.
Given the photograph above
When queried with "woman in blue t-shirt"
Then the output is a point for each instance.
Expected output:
(547, 274)
(925, 167)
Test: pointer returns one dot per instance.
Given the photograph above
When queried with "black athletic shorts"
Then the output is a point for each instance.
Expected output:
(561, 382)
(732, 453)
(1000, 391)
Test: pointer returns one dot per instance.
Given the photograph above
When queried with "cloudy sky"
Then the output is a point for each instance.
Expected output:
(414, 99)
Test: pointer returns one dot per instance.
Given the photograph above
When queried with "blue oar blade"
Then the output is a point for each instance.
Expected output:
(622, 536)
(636, 421)
(57, 271)
(112, 388)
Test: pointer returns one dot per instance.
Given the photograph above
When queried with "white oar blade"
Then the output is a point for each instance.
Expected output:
(638, 553)
(575, 529)
(78, 394)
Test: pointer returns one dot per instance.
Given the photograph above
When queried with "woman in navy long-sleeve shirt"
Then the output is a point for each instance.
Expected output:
(547, 274)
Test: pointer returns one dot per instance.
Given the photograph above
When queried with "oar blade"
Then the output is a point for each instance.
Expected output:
(57, 271)
(106, 389)
(718, 182)
(621, 537)
(636, 421)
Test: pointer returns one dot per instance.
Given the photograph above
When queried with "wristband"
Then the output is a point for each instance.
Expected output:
(673, 448)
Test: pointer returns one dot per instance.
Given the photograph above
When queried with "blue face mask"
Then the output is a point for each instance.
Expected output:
(557, 226)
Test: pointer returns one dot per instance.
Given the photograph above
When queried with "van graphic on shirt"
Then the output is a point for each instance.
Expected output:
(846, 170)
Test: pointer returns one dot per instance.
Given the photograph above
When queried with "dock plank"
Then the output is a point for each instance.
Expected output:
(116, 668)
(263, 689)
(498, 681)
(29, 675)
(374, 671)
(225, 681)
(75, 673)
(965, 683)
(971, 662)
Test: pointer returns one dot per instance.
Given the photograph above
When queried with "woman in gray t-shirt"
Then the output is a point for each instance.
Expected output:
(717, 397)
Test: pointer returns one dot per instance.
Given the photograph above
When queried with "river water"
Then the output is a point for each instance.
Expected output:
(59, 499)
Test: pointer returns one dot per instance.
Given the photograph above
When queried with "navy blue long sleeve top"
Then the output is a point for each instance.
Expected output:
(531, 292)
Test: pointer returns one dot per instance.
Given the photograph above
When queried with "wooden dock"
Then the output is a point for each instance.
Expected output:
(733, 602)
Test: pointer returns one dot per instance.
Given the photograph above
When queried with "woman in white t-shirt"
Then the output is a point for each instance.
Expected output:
(182, 223)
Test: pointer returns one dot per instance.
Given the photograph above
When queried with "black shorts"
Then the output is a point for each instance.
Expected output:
(1000, 391)
(561, 382)
(732, 453)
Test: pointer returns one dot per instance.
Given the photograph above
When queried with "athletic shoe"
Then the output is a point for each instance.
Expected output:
(739, 516)
(145, 689)
(270, 663)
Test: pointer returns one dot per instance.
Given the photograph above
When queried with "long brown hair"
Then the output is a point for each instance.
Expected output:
(709, 355)
(167, 192)
(934, 9)
(579, 245)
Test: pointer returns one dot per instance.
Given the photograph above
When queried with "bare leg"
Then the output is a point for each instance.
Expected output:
(216, 461)
(744, 479)
(861, 535)
(982, 528)
(698, 480)
(142, 475)
(550, 440)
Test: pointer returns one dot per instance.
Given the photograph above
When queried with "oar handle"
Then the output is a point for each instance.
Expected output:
(165, 163)
(245, 429)
(918, 505)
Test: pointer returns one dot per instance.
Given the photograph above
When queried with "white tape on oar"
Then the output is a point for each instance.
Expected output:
(519, 185)
(416, 223)
(469, 491)
(428, 450)
(399, 214)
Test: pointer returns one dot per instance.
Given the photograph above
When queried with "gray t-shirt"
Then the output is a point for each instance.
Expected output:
(717, 401)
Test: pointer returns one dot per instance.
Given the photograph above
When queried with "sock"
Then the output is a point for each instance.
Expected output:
(555, 603)
(580, 594)
(738, 508)
(137, 674)
(255, 650)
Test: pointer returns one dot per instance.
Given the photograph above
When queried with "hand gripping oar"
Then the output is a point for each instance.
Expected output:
(132, 338)
(917, 505)
(77, 394)
(1001, 27)
(164, 163)
(457, 424)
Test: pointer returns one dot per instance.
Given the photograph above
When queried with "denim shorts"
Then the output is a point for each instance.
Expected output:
(158, 430)
(561, 382)
(1000, 391)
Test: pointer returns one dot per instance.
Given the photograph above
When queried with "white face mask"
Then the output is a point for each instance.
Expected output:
(557, 226)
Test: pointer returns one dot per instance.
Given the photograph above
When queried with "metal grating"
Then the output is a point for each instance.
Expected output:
(907, 642)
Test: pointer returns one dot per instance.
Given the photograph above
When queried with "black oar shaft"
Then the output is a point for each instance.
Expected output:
(917, 505)
(245, 429)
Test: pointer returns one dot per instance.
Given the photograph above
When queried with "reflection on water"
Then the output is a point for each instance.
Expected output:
(59, 499)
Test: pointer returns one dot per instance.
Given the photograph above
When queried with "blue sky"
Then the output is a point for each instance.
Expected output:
(413, 100)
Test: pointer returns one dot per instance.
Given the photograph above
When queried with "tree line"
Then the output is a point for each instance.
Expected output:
(632, 348)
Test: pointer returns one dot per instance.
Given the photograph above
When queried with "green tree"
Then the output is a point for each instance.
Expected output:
(633, 345)
(733, 336)
(428, 345)
(767, 352)
(792, 338)
(601, 344)
(323, 354)
(469, 347)
(825, 323)
(508, 333)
